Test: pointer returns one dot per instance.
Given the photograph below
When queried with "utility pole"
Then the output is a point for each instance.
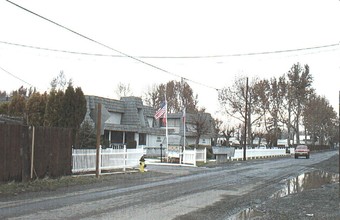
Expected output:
(339, 142)
(245, 124)
(99, 117)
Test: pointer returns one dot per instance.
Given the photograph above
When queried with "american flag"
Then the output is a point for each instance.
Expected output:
(161, 111)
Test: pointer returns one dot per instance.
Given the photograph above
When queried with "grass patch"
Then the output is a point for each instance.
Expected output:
(51, 184)
(14, 188)
(46, 184)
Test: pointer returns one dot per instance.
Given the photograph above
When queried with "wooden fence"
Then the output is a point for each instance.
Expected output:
(27, 153)
(14, 148)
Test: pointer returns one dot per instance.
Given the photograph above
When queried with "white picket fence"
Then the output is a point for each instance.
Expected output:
(259, 153)
(192, 156)
(84, 160)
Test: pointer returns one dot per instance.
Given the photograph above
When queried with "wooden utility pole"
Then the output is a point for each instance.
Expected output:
(245, 124)
(99, 116)
(339, 142)
(32, 150)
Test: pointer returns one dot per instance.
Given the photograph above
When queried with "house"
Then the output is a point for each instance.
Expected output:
(128, 121)
(176, 128)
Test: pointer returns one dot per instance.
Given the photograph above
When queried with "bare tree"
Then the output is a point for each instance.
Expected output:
(123, 90)
(271, 95)
(300, 82)
(151, 96)
(319, 119)
(178, 95)
(217, 130)
(227, 134)
(233, 101)
(202, 124)
(60, 82)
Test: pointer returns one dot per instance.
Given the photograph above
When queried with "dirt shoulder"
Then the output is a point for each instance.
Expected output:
(318, 203)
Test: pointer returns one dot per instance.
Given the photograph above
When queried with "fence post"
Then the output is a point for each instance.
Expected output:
(205, 155)
(32, 149)
(98, 124)
(183, 159)
(195, 157)
(100, 160)
(124, 158)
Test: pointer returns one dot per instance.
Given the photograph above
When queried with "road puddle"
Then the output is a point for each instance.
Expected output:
(305, 181)
(248, 213)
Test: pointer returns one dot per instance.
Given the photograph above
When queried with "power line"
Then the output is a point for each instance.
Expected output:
(106, 46)
(57, 50)
(94, 54)
(11, 74)
(175, 57)
(94, 41)
(159, 68)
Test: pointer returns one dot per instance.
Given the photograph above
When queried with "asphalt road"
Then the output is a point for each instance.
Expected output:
(167, 192)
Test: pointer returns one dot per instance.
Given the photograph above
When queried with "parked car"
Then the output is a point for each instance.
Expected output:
(302, 150)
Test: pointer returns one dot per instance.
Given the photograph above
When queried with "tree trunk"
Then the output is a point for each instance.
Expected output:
(275, 130)
(288, 125)
(297, 127)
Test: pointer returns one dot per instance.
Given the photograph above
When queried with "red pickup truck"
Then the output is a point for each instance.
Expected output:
(302, 150)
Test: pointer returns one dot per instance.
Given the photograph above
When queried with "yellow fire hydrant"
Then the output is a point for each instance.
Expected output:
(142, 164)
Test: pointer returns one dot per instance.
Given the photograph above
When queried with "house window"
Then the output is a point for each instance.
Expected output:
(129, 137)
(174, 122)
(159, 139)
(142, 139)
(151, 122)
(117, 137)
(162, 122)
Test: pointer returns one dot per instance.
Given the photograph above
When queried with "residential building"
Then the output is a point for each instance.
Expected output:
(128, 121)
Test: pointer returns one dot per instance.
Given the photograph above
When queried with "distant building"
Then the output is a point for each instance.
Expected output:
(128, 121)
(5, 119)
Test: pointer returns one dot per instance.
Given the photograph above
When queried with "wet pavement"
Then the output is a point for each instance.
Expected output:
(306, 181)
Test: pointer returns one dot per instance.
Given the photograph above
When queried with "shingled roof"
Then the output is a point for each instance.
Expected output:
(134, 113)
(131, 114)
(110, 104)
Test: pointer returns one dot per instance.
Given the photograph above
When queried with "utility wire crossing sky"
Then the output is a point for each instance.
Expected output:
(211, 70)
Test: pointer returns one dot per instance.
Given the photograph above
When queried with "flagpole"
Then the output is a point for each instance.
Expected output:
(184, 141)
(184, 115)
(166, 126)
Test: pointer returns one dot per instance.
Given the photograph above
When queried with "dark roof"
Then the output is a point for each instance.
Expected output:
(132, 108)
(134, 113)
(111, 105)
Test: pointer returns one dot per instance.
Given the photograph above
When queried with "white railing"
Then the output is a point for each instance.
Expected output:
(192, 156)
(258, 153)
(84, 160)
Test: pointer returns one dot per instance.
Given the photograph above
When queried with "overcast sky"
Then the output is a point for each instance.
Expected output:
(204, 30)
